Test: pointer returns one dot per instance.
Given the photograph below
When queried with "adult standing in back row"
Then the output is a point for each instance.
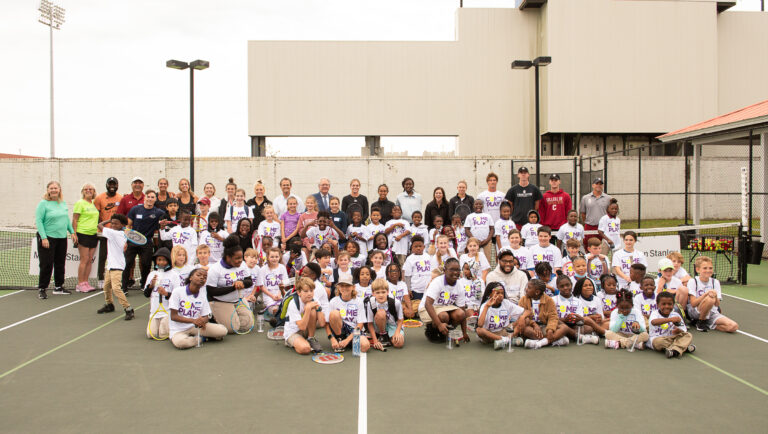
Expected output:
(492, 198)
(461, 198)
(524, 197)
(592, 207)
(553, 209)
(354, 197)
(323, 197)
(53, 224)
(409, 201)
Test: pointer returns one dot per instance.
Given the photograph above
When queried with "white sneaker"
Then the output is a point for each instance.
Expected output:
(612, 344)
(101, 284)
(592, 340)
(532, 344)
(501, 343)
(560, 342)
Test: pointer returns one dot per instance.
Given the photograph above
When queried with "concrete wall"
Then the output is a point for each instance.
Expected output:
(742, 59)
(24, 180)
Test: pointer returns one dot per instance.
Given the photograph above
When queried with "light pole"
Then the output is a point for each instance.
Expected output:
(199, 65)
(52, 16)
(536, 63)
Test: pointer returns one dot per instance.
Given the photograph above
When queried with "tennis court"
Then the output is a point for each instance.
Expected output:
(75, 371)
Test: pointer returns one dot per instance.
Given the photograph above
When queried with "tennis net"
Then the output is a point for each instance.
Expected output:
(19, 262)
(720, 242)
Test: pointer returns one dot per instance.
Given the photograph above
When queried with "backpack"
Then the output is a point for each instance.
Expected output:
(390, 306)
(282, 308)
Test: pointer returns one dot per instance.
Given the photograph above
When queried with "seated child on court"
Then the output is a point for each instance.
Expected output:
(542, 325)
(385, 317)
(476, 259)
(610, 289)
(567, 306)
(444, 304)
(341, 269)
(636, 274)
(522, 254)
(347, 314)
(627, 324)
(203, 256)
(667, 329)
(645, 302)
(677, 260)
(705, 295)
(160, 284)
(591, 306)
(597, 263)
(304, 315)
(668, 282)
(397, 288)
(190, 311)
(544, 273)
(572, 248)
(496, 315)
(251, 261)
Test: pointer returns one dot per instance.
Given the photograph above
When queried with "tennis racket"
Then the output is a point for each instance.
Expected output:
(412, 323)
(241, 303)
(276, 334)
(160, 308)
(199, 223)
(463, 211)
(256, 240)
(135, 237)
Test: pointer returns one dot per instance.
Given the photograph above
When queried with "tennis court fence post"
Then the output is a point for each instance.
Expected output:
(639, 185)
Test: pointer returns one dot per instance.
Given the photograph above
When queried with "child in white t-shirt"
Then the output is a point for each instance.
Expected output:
(398, 289)
(160, 284)
(304, 315)
(251, 260)
(544, 273)
(180, 262)
(116, 240)
(609, 226)
(203, 253)
(430, 243)
(546, 252)
(417, 227)
(417, 272)
(645, 301)
(364, 276)
(399, 233)
(323, 232)
(385, 317)
(610, 290)
(356, 260)
(624, 258)
(444, 304)
(190, 312)
(530, 230)
(677, 261)
(459, 233)
(667, 329)
(270, 227)
(597, 263)
(572, 248)
(473, 290)
(522, 254)
(478, 264)
(273, 279)
(374, 227)
(704, 296)
(503, 226)
(347, 314)
(496, 315)
(442, 252)
(627, 326)
(238, 211)
(183, 235)
(591, 307)
(358, 233)
(573, 230)
(480, 225)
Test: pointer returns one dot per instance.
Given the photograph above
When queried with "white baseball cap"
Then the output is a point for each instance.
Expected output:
(666, 264)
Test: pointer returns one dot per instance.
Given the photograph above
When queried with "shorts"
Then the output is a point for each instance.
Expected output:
(89, 241)
(714, 315)
(289, 341)
(391, 329)
(346, 331)
(426, 319)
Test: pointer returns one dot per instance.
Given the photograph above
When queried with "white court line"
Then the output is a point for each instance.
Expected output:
(752, 336)
(48, 311)
(744, 299)
(6, 295)
(362, 394)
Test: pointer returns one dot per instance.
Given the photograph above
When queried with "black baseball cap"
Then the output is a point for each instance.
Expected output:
(112, 180)
(597, 181)
(522, 169)
(554, 176)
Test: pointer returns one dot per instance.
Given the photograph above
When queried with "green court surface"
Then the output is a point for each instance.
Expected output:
(74, 371)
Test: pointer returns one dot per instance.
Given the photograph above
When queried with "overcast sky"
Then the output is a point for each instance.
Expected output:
(115, 97)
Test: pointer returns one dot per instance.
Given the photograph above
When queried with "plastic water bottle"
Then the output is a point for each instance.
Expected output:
(261, 324)
(356, 342)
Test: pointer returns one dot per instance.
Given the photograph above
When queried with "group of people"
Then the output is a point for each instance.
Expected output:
(345, 265)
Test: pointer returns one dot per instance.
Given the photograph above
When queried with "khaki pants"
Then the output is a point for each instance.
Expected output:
(487, 251)
(241, 322)
(188, 338)
(113, 284)
(158, 327)
(426, 319)
(625, 339)
(678, 343)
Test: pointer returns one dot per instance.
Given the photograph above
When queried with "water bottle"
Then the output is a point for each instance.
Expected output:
(356, 342)
(260, 322)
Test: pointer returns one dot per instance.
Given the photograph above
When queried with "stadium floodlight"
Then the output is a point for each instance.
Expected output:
(192, 66)
(536, 63)
(51, 15)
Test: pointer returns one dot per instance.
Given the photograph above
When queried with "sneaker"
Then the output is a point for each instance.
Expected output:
(129, 315)
(130, 284)
(433, 335)
(590, 339)
(41, 294)
(80, 287)
(612, 344)
(501, 343)
(315, 345)
(109, 307)
(671, 353)
(59, 290)
(532, 344)
(101, 284)
(518, 341)
(384, 339)
(88, 287)
(700, 325)
(560, 342)
(691, 348)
